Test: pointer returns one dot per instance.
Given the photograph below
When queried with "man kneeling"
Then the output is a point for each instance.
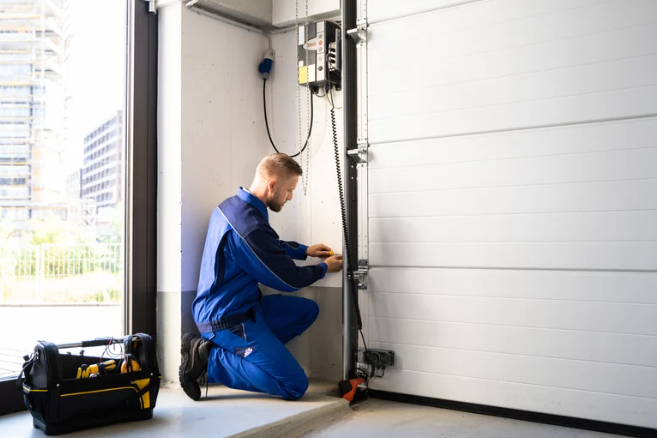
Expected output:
(243, 332)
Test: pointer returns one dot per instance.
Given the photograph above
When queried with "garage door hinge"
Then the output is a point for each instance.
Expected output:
(360, 274)
(359, 154)
(152, 8)
(359, 34)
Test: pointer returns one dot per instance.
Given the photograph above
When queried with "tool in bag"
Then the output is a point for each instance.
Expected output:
(67, 392)
(94, 370)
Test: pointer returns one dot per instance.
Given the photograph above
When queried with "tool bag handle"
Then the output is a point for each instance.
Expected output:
(100, 342)
(145, 354)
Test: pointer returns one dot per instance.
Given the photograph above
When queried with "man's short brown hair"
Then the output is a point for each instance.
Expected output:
(279, 165)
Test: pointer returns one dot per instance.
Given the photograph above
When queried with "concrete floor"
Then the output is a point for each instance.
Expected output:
(378, 418)
(226, 413)
(320, 414)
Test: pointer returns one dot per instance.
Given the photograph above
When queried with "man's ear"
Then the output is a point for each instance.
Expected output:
(271, 185)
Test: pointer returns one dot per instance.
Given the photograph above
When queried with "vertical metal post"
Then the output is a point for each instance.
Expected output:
(141, 161)
(349, 93)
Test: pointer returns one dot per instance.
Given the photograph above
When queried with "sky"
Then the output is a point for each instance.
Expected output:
(98, 65)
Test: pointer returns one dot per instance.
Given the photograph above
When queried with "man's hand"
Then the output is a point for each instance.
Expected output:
(334, 263)
(320, 250)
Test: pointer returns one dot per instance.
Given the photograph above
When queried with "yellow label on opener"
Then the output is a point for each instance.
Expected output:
(303, 75)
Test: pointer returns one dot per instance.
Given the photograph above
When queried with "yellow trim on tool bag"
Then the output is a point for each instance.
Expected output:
(99, 390)
(141, 399)
(34, 390)
(146, 398)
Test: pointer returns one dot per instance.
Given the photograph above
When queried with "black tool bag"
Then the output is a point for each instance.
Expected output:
(60, 402)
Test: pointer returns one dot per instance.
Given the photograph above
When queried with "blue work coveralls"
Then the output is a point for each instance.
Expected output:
(249, 331)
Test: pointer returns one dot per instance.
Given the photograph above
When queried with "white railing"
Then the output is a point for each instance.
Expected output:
(61, 273)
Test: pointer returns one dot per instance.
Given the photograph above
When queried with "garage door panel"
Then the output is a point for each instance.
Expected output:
(558, 227)
(612, 287)
(385, 9)
(547, 84)
(563, 255)
(559, 169)
(500, 21)
(563, 140)
(550, 343)
(385, 77)
(637, 102)
(551, 198)
(564, 315)
(560, 373)
(510, 52)
(637, 411)
(512, 203)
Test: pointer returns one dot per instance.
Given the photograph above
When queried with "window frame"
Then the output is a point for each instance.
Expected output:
(141, 187)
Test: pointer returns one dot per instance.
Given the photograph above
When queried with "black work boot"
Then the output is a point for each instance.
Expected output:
(194, 363)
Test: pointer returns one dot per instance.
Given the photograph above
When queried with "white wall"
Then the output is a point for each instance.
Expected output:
(210, 141)
(260, 9)
(280, 13)
(314, 217)
(284, 11)
(169, 241)
(223, 137)
(211, 138)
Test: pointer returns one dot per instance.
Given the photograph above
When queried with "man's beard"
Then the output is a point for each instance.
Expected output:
(275, 205)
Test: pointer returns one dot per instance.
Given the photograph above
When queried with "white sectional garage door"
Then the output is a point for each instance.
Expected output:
(513, 203)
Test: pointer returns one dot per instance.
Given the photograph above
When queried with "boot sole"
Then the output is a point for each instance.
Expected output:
(192, 389)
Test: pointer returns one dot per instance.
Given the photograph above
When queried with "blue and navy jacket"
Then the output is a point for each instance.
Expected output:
(242, 250)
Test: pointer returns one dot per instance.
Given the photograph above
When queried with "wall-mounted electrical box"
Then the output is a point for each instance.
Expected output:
(319, 55)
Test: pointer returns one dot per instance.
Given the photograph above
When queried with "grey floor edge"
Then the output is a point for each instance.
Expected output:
(301, 423)
(380, 418)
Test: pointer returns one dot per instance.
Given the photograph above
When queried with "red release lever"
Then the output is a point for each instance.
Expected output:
(349, 388)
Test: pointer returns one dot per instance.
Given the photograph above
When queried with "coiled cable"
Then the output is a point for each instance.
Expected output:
(350, 273)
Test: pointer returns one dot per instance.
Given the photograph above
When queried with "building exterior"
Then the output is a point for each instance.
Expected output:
(74, 184)
(103, 161)
(32, 99)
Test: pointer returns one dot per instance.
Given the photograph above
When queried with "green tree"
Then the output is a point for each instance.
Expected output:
(49, 230)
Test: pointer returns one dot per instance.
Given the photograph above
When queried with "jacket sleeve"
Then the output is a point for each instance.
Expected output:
(295, 250)
(262, 257)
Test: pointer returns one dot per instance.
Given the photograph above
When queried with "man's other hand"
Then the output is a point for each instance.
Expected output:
(322, 251)
(334, 263)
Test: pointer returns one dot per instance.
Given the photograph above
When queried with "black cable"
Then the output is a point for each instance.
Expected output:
(361, 331)
(350, 274)
(264, 103)
(310, 128)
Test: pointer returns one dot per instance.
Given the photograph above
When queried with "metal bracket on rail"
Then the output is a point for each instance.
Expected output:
(152, 8)
(360, 275)
(359, 34)
(359, 154)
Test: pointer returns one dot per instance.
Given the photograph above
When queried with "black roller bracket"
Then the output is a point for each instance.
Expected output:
(373, 363)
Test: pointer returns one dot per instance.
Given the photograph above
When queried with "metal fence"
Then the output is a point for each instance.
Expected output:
(61, 273)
